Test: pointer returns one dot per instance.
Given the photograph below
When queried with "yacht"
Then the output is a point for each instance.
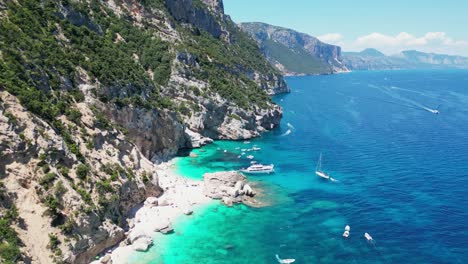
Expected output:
(259, 168)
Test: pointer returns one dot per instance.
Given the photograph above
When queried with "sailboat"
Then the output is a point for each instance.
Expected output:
(319, 171)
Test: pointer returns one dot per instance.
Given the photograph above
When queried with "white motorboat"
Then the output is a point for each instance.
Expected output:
(368, 237)
(250, 157)
(284, 261)
(259, 169)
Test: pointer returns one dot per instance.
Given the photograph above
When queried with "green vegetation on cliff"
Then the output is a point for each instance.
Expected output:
(41, 50)
(297, 61)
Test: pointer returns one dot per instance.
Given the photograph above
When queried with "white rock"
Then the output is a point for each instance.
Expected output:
(188, 211)
(233, 192)
(142, 244)
(164, 201)
(151, 202)
(239, 185)
(248, 190)
(227, 201)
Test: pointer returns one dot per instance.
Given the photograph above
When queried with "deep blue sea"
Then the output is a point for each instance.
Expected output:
(402, 172)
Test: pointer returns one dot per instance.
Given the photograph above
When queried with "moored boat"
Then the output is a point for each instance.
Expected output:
(318, 170)
(259, 169)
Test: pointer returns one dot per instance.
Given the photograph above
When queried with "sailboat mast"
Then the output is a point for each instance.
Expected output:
(319, 163)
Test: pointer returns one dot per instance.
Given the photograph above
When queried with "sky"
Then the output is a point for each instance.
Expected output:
(391, 26)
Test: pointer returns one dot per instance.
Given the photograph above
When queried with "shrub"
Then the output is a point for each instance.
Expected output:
(85, 195)
(11, 118)
(52, 204)
(64, 170)
(74, 115)
(47, 180)
(104, 187)
(60, 189)
(54, 242)
(82, 171)
(45, 168)
(67, 227)
(234, 116)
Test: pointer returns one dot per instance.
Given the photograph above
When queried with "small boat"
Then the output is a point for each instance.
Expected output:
(250, 157)
(225, 151)
(284, 261)
(368, 237)
(259, 169)
(246, 142)
(253, 162)
(319, 171)
(346, 232)
(256, 148)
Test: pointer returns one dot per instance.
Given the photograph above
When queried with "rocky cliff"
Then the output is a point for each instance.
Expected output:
(295, 53)
(94, 93)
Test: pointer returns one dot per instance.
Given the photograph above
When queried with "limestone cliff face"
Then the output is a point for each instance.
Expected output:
(210, 20)
(157, 133)
(209, 15)
(126, 84)
(295, 53)
(55, 195)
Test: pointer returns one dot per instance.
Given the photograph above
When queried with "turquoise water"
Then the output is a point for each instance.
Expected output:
(402, 171)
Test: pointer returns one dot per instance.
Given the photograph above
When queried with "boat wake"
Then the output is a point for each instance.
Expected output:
(405, 102)
(289, 131)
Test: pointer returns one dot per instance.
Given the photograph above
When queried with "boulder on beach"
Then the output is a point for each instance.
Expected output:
(151, 202)
(142, 244)
(164, 201)
(167, 230)
(188, 211)
(106, 259)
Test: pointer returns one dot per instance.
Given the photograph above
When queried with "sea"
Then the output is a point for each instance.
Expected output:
(400, 170)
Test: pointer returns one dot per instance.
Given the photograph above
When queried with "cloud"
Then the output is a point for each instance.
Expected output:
(437, 42)
(331, 38)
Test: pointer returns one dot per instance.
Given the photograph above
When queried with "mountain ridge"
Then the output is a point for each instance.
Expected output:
(372, 59)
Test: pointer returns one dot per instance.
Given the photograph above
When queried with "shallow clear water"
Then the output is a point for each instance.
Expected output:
(402, 171)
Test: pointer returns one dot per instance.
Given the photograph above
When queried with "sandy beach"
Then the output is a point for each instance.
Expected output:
(181, 197)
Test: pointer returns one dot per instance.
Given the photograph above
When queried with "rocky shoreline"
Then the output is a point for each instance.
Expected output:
(181, 196)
